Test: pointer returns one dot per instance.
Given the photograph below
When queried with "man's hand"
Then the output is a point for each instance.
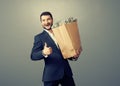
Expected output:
(78, 52)
(47, 50)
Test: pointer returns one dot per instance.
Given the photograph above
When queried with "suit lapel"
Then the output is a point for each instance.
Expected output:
(48, 39)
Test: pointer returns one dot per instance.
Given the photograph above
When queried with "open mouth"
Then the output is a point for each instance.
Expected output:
(47, 24)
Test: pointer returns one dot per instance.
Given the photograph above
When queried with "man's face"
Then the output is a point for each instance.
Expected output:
(46, 22)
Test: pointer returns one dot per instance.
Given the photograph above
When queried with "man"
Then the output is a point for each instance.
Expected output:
(57, 69)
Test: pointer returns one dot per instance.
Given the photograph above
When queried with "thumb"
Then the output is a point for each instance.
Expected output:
(45, 45)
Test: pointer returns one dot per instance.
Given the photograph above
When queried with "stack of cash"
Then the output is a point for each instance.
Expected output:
(66, 21)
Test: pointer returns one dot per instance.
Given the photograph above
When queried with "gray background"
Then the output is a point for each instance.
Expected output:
(99, 26)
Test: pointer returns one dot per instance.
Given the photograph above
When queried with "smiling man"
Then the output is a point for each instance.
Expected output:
(57, 69)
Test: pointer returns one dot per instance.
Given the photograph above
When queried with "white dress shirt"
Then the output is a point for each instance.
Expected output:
(53, 37)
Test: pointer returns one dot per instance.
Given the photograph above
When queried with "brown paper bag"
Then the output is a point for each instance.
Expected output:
(68, 38)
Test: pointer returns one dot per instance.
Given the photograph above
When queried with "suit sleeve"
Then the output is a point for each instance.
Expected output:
(36, 53)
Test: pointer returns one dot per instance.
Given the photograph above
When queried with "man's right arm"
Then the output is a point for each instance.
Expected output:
(36, 53)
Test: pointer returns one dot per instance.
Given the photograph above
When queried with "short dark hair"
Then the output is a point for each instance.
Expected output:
(46, 13)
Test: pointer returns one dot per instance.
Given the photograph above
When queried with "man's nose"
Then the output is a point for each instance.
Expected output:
(46, 22)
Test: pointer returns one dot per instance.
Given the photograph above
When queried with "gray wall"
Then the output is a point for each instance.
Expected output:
(99, 26)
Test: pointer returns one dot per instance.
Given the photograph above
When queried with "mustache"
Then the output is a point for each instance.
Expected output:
(47, 24)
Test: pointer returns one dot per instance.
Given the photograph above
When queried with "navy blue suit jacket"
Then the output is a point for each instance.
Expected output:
(55, 65)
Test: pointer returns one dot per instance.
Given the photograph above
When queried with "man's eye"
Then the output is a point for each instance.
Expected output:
(48, 19)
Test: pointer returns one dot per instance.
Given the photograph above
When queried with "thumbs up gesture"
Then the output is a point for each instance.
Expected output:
(47, 50)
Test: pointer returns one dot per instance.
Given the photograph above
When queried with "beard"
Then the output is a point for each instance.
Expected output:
(48, 25)
(47, 28)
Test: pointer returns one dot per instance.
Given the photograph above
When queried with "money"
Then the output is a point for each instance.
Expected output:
(65, 21)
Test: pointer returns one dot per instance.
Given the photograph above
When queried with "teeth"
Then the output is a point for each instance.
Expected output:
(47, 25)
